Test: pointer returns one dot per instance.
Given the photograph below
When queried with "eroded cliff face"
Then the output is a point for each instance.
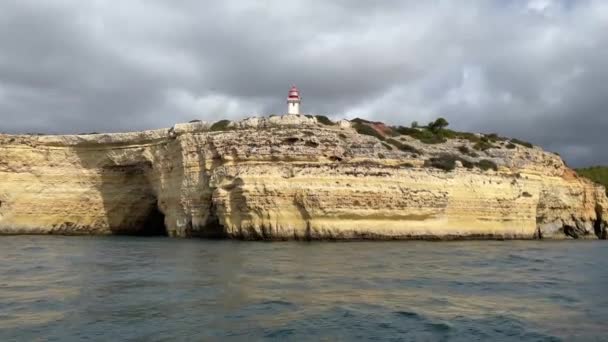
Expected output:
(288, 177)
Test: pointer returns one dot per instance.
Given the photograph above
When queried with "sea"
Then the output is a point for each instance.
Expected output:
(56, 288)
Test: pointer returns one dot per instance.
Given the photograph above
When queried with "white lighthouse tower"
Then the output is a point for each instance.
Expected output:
(293, 101)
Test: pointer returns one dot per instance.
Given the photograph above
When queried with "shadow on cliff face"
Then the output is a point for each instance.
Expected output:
(194, 214)
(154, 224)
(299, 204)
(160, 188)
(239, 215)
(212, 229)
(130, 201)
(600, 225)
(130, 205)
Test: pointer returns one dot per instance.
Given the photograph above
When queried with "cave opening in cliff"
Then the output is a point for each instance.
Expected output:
(598, 225)
(213, 229)
(154, 225)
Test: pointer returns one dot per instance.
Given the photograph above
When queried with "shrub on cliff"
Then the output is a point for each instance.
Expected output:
(436, 132)
(324, 120)
(221, 125)
(437, 125)
(522, 143)
(487, 165)
(362, 128)
(445, 162)
(423, 134)
(406, 130)
(483, 145)
(467, 151)
(598, 174)
(361, 121)
(493, 137)
(451, 134)
(404, 147)
(428, 137)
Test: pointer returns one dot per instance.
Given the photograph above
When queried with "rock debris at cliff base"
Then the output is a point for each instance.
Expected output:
(291, 177)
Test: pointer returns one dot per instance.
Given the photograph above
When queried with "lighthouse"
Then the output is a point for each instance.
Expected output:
(293, 101)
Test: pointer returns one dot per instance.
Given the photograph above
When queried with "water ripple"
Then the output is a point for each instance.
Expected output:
(121, 288)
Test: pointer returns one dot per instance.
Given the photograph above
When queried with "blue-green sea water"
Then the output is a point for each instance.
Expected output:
(161, 289)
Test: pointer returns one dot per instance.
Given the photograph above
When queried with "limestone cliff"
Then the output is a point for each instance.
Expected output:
(290, 177)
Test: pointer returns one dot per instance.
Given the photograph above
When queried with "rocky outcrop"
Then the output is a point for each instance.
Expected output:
(290, 177)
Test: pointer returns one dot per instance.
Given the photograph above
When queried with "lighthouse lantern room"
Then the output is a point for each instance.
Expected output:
(293, 101)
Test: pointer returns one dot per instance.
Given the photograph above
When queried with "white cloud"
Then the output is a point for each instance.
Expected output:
(471, 90)
(506, 66)
(209, 107)
(541, 5)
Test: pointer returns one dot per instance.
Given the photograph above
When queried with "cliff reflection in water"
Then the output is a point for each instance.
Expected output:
(153, 288)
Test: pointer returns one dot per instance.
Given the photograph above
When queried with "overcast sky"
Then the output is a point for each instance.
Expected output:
(532, 69)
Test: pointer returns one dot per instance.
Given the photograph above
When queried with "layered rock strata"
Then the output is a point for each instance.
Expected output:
(288, 177)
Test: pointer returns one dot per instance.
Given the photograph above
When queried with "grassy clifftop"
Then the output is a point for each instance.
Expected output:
(598, 174)
(436, 132)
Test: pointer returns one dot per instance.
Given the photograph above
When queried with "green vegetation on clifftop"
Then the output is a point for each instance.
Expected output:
(436, 132)
(363, 128)
(221, 125)
(598, 174)
(447, 162)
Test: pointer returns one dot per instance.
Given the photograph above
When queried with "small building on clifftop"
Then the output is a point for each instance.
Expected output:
(293, 101)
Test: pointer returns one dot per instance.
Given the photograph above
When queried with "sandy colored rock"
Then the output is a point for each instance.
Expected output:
(286, 177)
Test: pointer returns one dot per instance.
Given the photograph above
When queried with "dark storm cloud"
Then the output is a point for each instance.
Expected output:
(532, 69)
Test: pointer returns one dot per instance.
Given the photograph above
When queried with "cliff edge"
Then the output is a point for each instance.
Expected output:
(294, 177)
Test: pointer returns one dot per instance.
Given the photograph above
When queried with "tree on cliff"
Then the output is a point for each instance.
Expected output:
(438, 125)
